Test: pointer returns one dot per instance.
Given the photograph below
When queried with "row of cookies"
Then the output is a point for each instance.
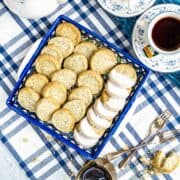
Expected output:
(101, 114)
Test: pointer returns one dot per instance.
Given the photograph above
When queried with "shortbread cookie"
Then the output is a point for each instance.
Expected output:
(158, 159)
(65, 45)
(88, 130)
(83, 140)
(65, 76)
(85, 48)
(171, 162)
(28, 98)
(63, 120)
(113, 103)
(55, 90)
(77, 108)
(123, 75)
(45, 108)
(103, 60)
(36, 82)
(102, 111)
(54, 51)
(76, 62)
(46, 64)
(83, 93)
(96, 120)
(92, 80)
(116, 91)
(69, 31)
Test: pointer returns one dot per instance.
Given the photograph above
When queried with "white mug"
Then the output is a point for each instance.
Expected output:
(150, 29)
(33, 8)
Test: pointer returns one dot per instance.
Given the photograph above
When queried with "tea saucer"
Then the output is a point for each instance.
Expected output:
(161, 62)
(126, 8)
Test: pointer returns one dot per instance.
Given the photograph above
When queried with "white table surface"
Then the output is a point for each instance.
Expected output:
(9, 168)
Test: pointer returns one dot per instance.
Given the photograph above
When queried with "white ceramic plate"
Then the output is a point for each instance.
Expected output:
(126, 8)
(28, 56)
(161, 62)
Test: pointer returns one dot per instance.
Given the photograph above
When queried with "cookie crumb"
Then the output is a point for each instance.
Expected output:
(25, 140)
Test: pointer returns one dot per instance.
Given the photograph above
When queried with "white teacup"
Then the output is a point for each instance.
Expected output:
(151, 27)
(33, 8)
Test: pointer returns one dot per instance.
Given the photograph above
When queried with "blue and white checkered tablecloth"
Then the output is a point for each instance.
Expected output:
(40, 155)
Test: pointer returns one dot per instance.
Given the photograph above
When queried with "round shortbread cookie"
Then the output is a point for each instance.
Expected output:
(85, 48)
(89, 131)
(92, 80)
(77, 108)
(158, 159)
(36, 82)
(102, 111)
(83, 140)
(69, 31)
(55, 90)
(28, 98)
(96, 120)
(45, 108)
(103, 60)
(65, 45)
(83, 93)
(65, 76)
(63, 120)
(116, 91)
(170, 163)
(54, 51)
(76, 62)
(123, 75)
(113, 103)
(46, 64)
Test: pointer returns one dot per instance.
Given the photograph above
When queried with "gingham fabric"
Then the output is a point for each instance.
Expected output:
(40, 155)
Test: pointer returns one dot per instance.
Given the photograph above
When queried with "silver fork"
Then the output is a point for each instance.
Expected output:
(155, 127)
(158, 138)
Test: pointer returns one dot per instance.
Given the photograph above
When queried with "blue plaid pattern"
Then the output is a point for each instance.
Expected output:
(48, 157)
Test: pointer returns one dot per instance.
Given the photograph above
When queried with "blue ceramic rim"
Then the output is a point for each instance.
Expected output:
(43, 125)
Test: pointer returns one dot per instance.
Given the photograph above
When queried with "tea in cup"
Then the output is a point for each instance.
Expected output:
(164, 33)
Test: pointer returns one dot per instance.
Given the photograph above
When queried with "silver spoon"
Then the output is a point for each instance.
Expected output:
(155, 127)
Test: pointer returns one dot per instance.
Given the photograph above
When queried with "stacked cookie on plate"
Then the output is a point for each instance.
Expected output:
(105, 108)
(68, 89)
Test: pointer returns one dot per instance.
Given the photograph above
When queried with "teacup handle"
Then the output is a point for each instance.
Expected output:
(149, 51)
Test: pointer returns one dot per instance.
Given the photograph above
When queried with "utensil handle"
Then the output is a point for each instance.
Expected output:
(143, 143)
(125, 162)
(114, 155)
(174, 134)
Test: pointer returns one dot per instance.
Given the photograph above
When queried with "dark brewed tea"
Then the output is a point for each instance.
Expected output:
(166, 34)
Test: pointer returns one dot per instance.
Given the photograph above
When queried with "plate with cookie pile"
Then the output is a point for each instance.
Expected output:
(77, 87)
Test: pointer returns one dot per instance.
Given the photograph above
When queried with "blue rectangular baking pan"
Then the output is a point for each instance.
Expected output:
(67, 139)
